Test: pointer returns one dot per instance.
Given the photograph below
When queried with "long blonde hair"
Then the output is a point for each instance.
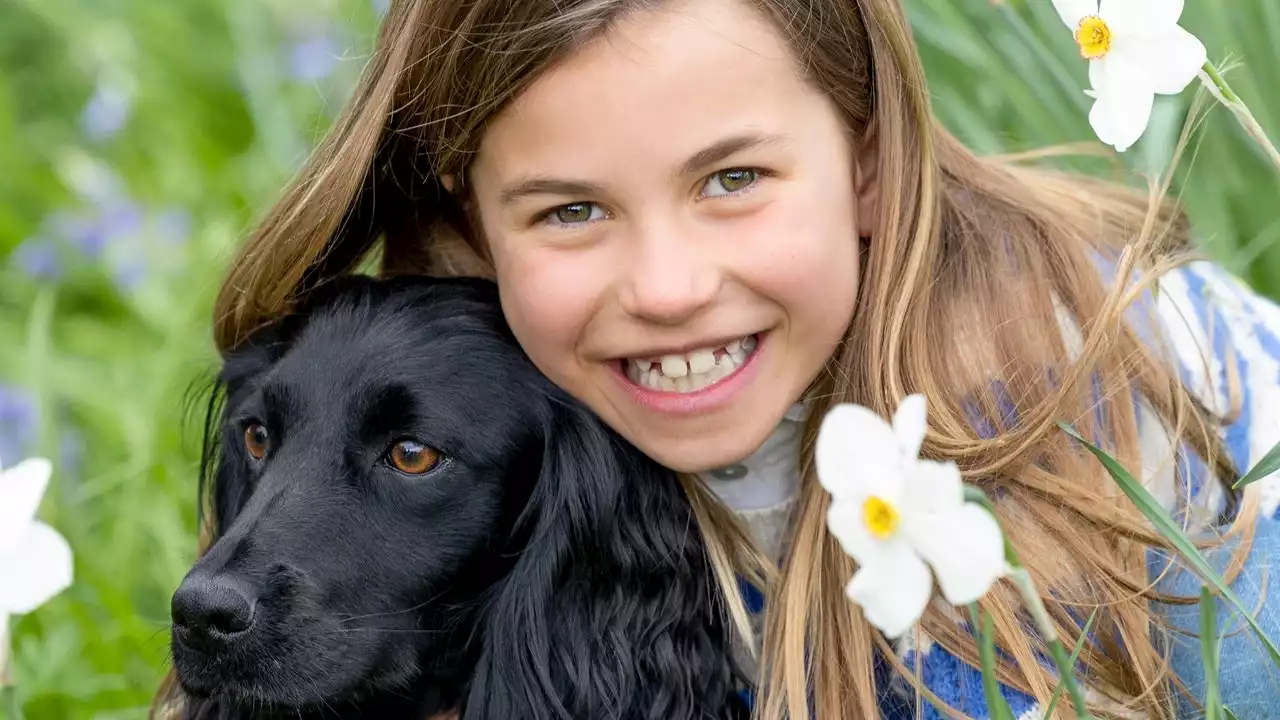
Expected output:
(973, 267)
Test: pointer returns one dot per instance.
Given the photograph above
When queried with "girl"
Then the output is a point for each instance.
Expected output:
(710, 220)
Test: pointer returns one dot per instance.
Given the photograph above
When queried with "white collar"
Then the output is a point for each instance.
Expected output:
(767, 477)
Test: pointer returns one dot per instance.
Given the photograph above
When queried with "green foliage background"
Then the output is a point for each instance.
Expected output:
(139, 139)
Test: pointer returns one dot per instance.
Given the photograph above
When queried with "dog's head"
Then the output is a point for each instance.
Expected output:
(401, 502)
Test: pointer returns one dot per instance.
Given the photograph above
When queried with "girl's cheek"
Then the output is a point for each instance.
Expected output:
(547, 296)
(802, 239)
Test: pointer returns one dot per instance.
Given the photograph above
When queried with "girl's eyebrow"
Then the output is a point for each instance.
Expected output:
(722, 149)
(524, 187)
(529, 186)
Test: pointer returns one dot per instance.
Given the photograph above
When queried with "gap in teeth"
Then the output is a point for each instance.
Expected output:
(691, 371)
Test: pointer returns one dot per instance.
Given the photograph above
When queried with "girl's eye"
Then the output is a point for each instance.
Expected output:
(412, 457)
(576, 213)
(256, 441)
(728, 182)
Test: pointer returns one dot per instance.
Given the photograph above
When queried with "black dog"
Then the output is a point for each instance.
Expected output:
(410, 519)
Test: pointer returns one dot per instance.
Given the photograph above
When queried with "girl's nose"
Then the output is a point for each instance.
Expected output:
(669, 281)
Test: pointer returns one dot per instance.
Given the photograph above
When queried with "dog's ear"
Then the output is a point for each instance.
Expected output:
(224, 485)
(612, 609)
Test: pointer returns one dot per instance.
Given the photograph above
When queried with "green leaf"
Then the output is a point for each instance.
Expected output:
(1209, 654)
(997, 707)
(1167, 527)
(1226, 711)
(1264, 467)
(1075, 655)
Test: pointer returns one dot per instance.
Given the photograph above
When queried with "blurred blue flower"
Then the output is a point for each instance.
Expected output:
(381, 6)
(129, 273)
(19, 424)
(120, 220)
(77, 231)
(173, 225)
(109, 227)
(106, 112)
(90, 234)
(314, 57)
(37, 257)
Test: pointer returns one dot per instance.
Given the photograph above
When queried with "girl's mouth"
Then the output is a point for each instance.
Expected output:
(693, 371)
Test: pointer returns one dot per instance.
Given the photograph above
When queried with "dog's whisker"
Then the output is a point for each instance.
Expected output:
(392, 613)
(389, 631)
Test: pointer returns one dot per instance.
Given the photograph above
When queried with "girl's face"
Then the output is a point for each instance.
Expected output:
(673, 215)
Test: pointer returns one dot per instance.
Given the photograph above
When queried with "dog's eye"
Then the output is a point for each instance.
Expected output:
(412, 457)
(256, 441)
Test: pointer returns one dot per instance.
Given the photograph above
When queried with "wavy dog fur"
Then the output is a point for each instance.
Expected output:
(543, 569)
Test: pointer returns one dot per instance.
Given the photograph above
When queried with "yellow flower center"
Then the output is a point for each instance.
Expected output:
(880, 517)
(1094, 37)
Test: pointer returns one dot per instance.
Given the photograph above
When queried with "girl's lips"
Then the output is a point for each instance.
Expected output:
(710, 398)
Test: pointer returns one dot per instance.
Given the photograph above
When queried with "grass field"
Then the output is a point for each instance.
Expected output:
(138, 141)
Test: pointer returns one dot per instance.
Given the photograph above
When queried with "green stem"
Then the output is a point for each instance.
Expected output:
(1212, 79)
(1022, 580)
(1039, 614)
(10, 703)
(8, 692)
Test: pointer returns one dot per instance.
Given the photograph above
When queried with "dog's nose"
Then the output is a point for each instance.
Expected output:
(210, 610)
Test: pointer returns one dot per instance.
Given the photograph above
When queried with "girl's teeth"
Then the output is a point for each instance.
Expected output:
(674, 366)
(693, 371)
(701, 361)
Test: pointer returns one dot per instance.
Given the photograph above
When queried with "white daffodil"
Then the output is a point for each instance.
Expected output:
(35, 560)
(1136, 50)
(898, 516)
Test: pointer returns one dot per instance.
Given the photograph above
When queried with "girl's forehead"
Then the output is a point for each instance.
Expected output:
(665, 81)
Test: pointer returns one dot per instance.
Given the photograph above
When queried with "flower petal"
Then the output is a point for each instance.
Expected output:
(1097, 76)
(965, 550)
(1073, 11)
(894, 591)
(38, 568)
(932, 487)
(845, 522)
(21, 489)
(1140, 17)
(1125, 98)
(857, 455)
(1171, 60)
(910, 423)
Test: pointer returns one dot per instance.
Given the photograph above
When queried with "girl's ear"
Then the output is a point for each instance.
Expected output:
(866, 180)
(450, 182)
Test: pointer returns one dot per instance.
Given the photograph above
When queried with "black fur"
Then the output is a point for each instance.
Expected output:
(545, 569)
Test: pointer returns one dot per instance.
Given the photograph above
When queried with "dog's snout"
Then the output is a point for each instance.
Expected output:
(211, 609)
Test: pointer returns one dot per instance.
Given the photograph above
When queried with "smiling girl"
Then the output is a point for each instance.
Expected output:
(710, 220)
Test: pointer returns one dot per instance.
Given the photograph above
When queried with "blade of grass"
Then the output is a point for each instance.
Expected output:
(1209, 654)
(1075, 655)
(9, 703)
(1226, 711)
(1051, 62)
(997, 707)
(1167, 527)
(1267, 465)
